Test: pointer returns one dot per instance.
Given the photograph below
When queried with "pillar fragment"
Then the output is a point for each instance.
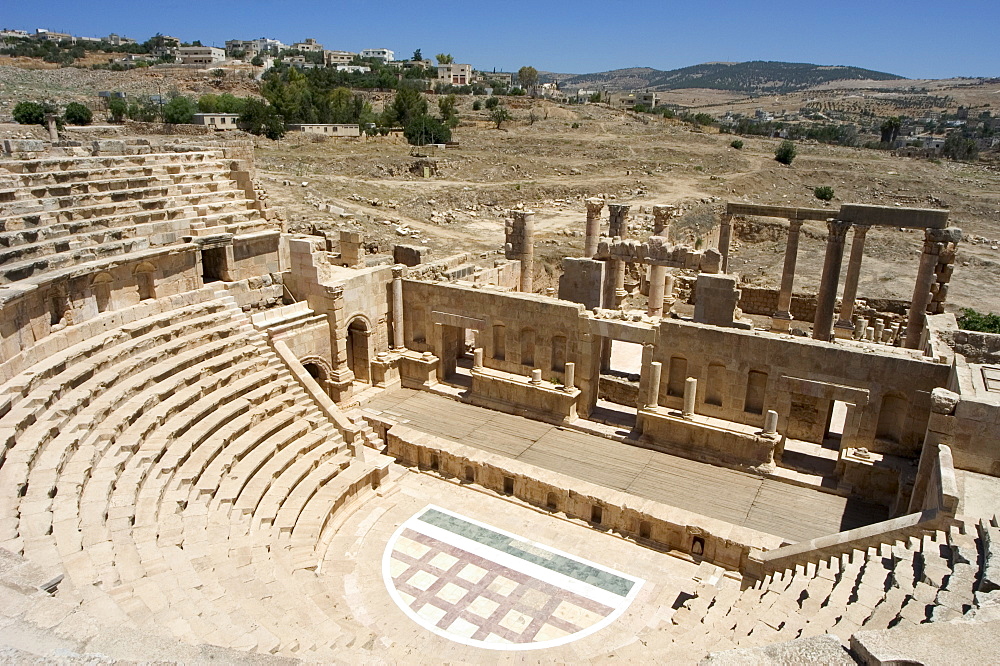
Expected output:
(653, 386)
(690, 392)
(662, 214)
(520, 244)
(827, 298)
(725, 232)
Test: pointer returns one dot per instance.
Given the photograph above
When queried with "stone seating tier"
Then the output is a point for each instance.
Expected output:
(925, 579)
(169, 465)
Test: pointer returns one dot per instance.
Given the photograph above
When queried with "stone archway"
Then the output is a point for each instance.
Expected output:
(320, 370)
(359, 356)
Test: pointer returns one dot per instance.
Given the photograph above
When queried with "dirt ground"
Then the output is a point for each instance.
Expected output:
(550, 166)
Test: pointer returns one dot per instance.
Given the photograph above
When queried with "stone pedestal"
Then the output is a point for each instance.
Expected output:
(827, 298)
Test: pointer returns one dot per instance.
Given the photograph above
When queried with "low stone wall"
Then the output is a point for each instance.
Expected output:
(762, 301)
(514, 394)
(977, 347)
(619, 391)
(701, 441)
(649, 522)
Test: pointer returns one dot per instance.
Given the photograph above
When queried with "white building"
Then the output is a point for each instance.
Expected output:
(328, 129)
(455, 74)
(385, 55)
(218, 121)
(260, 46)
(200, 55)
(354, 69)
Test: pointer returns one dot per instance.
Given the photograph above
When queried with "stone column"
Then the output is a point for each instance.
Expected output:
(922, 289)
(477, 357)
(668, 293)
(657, 280)
(662, 214)
(618, 276)
(653, 386)
(770, 422)
(50, 120)
(618, 221)
(725, 232)
(398, 271)
(782, 317)
(569, 376)
(520, 245)
(827, 298)
(594, 207)
(844, 327)
(690, 393)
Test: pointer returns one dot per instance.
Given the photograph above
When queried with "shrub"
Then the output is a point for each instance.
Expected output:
(29, 113)
(823, 193)
(179, 111)
(78, 114)
(117, 108)
(575, 125)
(971, 320)
(737, 144)
(477, 105)
(786, 152)
(492, 102)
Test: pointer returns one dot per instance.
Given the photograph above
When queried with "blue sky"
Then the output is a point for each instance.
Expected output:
(917, 39)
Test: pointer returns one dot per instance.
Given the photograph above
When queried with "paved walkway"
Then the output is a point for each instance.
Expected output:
(791, 512)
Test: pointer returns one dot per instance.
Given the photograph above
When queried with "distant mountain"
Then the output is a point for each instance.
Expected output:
(755, 77)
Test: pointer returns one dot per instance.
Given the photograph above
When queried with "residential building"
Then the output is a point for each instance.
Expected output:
(503, 78)
(353, 69)
(385, 55)
(260, 46)
(338, 57)
(118, 40)
(218, 121)
(200, 55)
(330, 130)
(43, 35)
(633, 99)
(308, 46)
(300, 62)
(455, 74)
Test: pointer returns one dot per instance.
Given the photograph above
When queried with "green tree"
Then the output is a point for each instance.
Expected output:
(29, 113)
(77, 114)
(444, 59)
(418, 55)
(492, 102)
(257, 61)
(425, 129)
(117, 108)
(448, 106)
(527, 77)
(499, 115)
(595, 98)
(179, 111)
(477, 105)
(786, 152)
(890, 129)
(959, 147)
(261, 118)
(407, 105)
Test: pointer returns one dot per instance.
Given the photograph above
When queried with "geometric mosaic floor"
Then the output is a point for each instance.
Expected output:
(481, 586)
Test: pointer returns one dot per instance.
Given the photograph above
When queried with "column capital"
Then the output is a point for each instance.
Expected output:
(794, 226)
(860, 230)
(664, 212)
(838, 229)
(398, 271)
(619, 209)
(594, 206)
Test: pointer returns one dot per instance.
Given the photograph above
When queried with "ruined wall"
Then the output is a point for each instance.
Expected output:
(723, 359)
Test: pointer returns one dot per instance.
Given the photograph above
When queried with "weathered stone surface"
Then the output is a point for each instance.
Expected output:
(825, 649)
(943, 643)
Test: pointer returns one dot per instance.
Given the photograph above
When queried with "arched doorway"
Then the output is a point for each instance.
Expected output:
(358, 356)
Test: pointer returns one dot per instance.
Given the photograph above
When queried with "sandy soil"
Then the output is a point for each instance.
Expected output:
(550, 166)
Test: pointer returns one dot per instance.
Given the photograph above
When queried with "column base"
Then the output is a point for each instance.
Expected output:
(843, 330)
(781, 321)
